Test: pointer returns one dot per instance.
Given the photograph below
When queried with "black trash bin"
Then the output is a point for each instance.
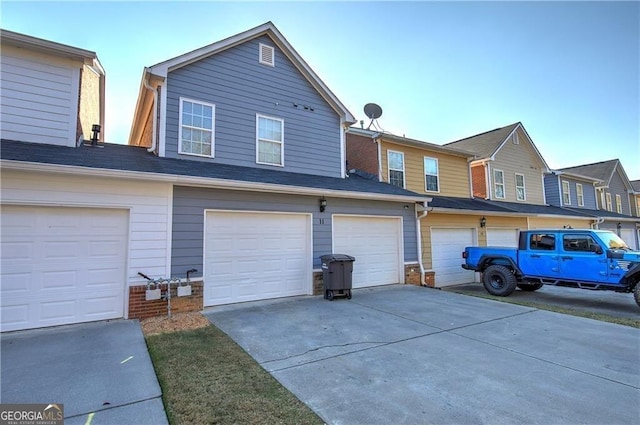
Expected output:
(336, 275)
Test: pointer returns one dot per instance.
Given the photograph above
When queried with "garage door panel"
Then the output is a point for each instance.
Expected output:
(376, 244)
(447, 246)
(252, 256)
(502, 237)
(62, 265)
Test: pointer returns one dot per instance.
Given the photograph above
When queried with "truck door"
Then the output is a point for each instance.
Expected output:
(582, 258)
(540, 259)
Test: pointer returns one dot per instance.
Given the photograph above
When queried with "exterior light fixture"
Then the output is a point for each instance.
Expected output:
(323, 204)
(483, 222)
(95, 132)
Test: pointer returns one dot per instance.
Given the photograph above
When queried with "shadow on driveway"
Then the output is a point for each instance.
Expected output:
(406, 354)
(100, 371)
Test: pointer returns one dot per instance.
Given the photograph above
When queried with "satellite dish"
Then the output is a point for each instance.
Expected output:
(372, 111)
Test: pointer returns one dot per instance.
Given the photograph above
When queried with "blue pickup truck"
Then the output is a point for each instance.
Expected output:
(587, 259)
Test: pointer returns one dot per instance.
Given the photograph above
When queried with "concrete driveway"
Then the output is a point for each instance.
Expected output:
(406, 354)
(615, 304)
(100, 371)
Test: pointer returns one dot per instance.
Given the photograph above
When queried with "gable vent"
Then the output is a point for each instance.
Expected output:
(267, 55)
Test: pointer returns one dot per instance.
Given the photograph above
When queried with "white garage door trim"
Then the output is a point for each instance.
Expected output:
(239, 265)
(374, 266)
(62, 265)
(446, 260)
(502, 236)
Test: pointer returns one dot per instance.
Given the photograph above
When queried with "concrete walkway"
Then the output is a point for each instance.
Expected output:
(406, 355)
(100, 371)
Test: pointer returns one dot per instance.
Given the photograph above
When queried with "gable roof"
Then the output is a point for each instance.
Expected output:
(135, 162)
(603, 171)
(486, 145)
(161, 70)
(635, 184)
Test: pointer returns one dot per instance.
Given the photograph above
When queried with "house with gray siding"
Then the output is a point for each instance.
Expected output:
(614, 195)
(266, 193)
(565, 189)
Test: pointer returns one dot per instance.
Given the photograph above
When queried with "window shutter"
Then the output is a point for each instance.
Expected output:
(267, 55)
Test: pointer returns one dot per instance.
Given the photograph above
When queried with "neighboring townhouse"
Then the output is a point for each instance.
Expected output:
(635, 197)
(566, 189)
(615, 198)
(51, 93)
(455, 218)
(236, 167)
(72, 232)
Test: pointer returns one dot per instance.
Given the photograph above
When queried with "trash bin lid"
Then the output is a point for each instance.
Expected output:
(336, 257)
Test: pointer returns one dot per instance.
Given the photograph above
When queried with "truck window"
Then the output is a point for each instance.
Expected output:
(580, 243)
(542, 241)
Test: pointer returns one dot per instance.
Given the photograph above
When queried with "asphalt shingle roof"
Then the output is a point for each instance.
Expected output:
(484, 145)
(598, 170)
(636, 185)
(478, 204)
(132, 158)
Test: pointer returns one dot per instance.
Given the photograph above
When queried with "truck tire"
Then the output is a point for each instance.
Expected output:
(636, 293)
(499, 281)
(529, 287)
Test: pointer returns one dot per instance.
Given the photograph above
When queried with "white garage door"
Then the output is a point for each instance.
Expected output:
(376, 244)
(628, 236)
(62, 265)
(502, 237)
(446, 255)
(255, 256)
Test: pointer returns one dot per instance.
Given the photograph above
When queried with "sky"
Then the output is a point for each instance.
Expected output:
(440, 71)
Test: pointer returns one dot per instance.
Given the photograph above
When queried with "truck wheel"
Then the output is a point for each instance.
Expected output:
(636, 293)
(498, 280)
(530, 287)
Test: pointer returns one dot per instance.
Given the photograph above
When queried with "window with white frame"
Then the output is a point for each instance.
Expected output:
(580, 195)
(566, 193)
(618, 204)
(638, 206)
(521, 194)
(431, 179)
(498, 183)
(609, 207)
(603, 202)
(196, 128)
(396, 168)
(269, 140)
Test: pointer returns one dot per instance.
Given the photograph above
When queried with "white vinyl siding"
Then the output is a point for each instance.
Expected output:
(196, 128)
(431, 175)
(396, 168)
(39, 97)
(149, 206)
(566, 193)
(266, 55)
(269, 140)
(609, 206)
(521, 194)
(580, 195)
(498, 184)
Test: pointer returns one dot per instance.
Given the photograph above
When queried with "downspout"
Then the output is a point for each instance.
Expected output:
(376, 140)
(419, 237)
(597, 222)
(154, 136)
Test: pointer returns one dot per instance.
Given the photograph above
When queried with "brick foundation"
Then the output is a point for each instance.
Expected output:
(140, 308)
(318, 283)
(412, 274)
(430, 279)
